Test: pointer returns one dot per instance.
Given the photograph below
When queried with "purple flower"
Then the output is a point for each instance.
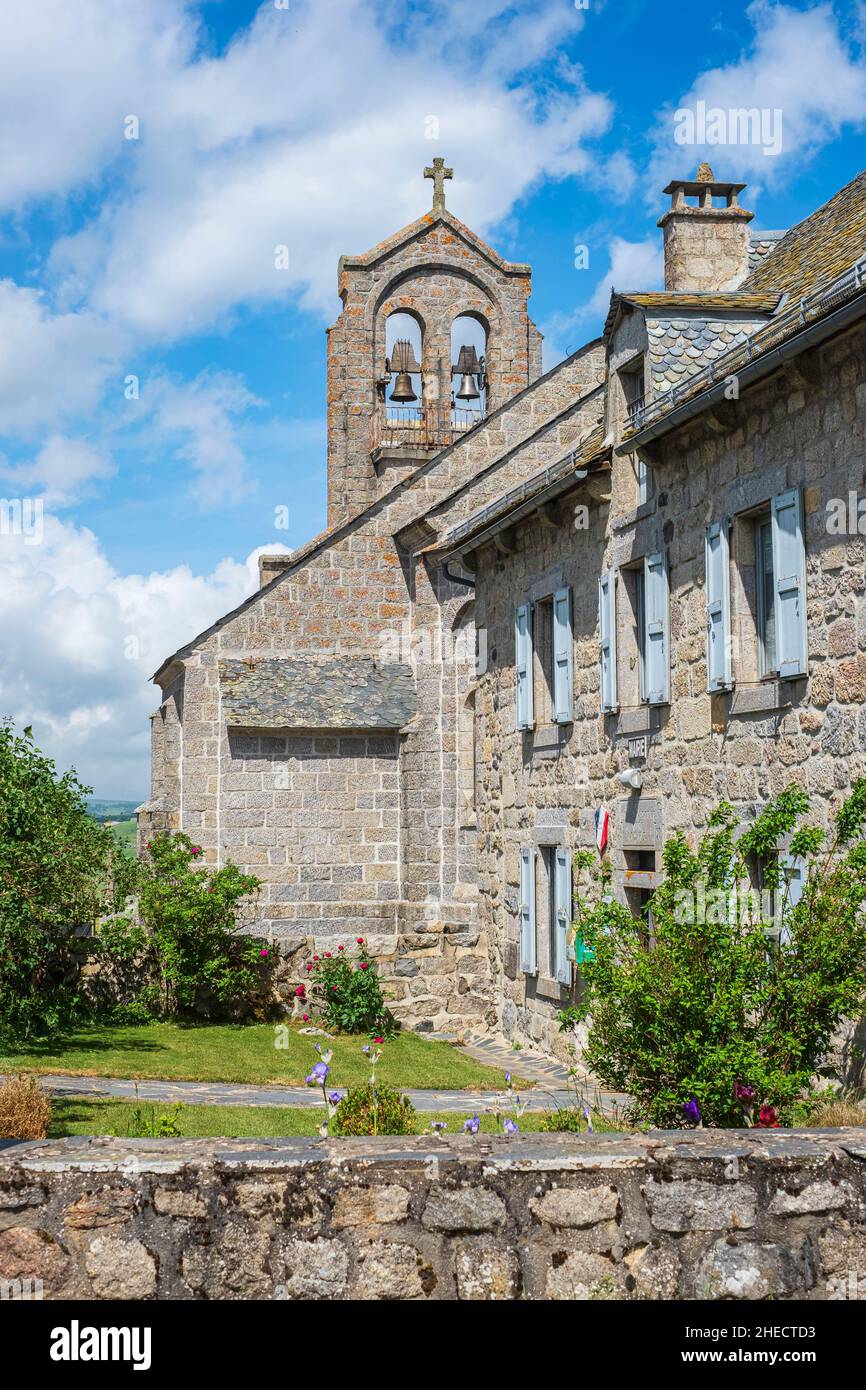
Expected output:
(334, 1097)
(692, 1111)
(510, 1127)
(319, 1075)
(438, 1125)
(587, 1116)
(366, 1048)
(742, 1092)
(471, 1126)
(508, 1078)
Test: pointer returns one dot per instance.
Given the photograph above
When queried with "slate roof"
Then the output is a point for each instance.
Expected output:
(679, 347)
(341, 692)
(819, 248)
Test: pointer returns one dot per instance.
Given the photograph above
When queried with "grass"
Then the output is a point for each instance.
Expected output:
(73, 1115)
(245, 1054)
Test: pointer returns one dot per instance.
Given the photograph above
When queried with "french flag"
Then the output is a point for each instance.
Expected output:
(602, 827)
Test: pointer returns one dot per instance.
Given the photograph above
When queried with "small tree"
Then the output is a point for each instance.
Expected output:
(194, 919)
(731, 997)
(59, 871)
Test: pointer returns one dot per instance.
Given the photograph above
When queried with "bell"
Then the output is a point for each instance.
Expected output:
(403, 388)
(468, 391)
(403, 362)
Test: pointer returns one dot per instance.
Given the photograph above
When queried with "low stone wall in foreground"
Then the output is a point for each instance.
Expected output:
(746, 1214)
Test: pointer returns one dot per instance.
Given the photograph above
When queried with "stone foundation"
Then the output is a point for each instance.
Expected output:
(698, 1215)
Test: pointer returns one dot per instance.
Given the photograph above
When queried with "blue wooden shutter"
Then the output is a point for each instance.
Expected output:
(563, 670)
(562, 915)
(523, 664)
(718, 607)
(607, 633)
(789, 577)
(527, 911)
(792, 885)
(656, 643)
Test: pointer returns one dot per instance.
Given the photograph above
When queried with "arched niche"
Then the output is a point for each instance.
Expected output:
(468, 331)
(408, 327)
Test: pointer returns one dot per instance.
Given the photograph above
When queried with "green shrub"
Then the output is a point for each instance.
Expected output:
(374, 1110)
(59, 872)
(193, 918)
(723, 997)
(343, 986)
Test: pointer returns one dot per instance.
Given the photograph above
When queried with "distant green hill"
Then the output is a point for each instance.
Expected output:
(111, 810)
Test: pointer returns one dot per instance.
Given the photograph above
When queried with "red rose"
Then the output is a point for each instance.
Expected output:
(360, 940)
(341, 948)
(364, 965)
(300, 991)
(315, 957)
(327, 955)
(378, 1040)
(767, 1118)
(305, 1017)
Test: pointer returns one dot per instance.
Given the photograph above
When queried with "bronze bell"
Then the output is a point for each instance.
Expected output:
(403, 388)
(402, 362)
(468, 390)
(468, 368)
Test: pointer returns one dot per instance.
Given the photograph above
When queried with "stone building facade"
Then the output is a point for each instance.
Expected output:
(612, 588)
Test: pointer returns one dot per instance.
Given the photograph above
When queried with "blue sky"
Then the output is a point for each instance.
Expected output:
(306, 125)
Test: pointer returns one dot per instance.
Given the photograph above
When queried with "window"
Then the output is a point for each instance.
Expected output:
(765, 587)
(545, 901)
(756, 595)
(544, 659)
(640, 626)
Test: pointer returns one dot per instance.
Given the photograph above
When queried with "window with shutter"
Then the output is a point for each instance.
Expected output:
(718, 589)
(523, 665)
(561, 916)
(607, 634)
(656, 683)
(527, 912)
(789, 580)
(563, 670)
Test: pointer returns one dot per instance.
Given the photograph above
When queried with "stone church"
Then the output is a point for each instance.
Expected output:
(612, 593)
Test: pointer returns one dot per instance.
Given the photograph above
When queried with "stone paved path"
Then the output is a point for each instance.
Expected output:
(549, 1087)
(541, 1071)
(225, 1093)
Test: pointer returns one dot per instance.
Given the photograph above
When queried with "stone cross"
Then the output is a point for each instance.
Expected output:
(438, 174)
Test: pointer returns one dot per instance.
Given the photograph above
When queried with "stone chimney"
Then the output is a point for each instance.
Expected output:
(707, 237)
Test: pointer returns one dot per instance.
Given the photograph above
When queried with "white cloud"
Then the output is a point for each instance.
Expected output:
(200, 418)
(799, 64)
(61, 472)
(80, 643)
(52, 366)
(290, 139)
(632, 265)
(69, 75)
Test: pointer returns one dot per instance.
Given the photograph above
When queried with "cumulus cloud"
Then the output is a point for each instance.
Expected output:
(801, 65)
(632, 265)
(80, 642)
(52, 365)
(241, 156)
(61, 472)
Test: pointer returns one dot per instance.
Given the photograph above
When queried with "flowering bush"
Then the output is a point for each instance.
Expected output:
(343, 986)
(193, 918)
(733, 1008)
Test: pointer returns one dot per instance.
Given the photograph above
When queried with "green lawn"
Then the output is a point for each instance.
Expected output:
(237, 1053)
(86, 1116)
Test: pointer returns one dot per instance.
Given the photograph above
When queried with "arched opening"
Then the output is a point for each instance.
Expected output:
(403, 349)
(468, 371)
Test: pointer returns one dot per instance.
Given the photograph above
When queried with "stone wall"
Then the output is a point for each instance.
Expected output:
(702, 1215)
(802, 431)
